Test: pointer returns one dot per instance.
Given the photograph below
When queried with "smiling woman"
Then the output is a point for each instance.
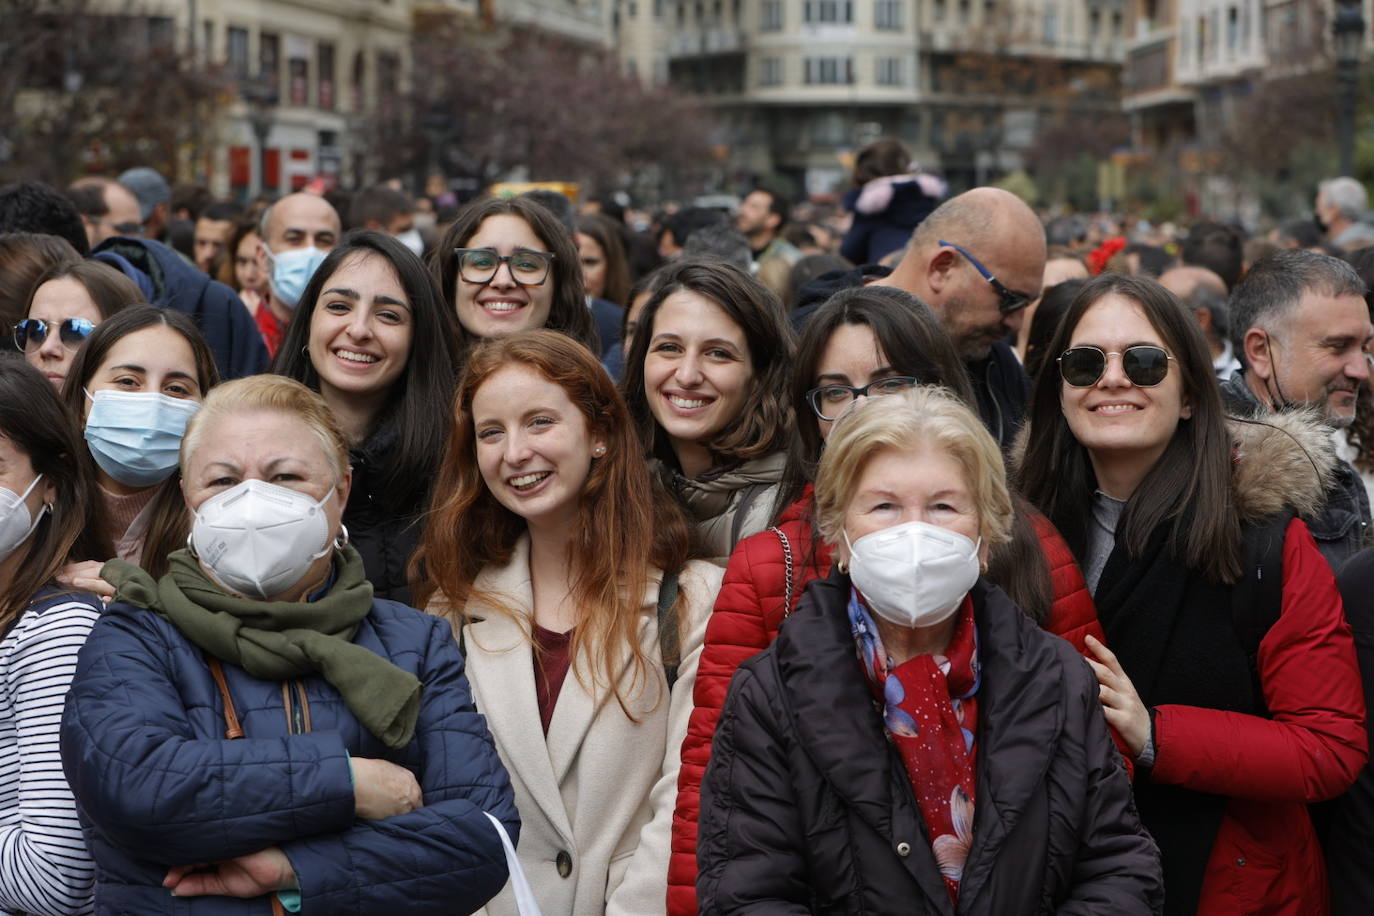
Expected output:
(373, 337)
(563, 569)
(508, 265)
(706, 382)
(1174, 516)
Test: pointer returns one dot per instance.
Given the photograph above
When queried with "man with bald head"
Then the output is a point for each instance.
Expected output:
(1203, 293)
(296, 232)
(978, 260)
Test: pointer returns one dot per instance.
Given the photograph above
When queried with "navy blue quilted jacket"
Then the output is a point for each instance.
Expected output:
(157, 784)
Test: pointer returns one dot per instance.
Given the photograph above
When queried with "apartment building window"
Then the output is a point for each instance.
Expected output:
(1232, 29)
(887, 14)
(160, 31)
(236, 53)
(965, 8)
(938, 9)
(1051, 26)
(770, 71)
(829, 11)
(1116, 24)
(269, 60)
(325, 86)
(829, 71)
(890, 71)
(770, 16)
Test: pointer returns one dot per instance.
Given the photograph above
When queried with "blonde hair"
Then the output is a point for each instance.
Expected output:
(921, 416)
(275, 393)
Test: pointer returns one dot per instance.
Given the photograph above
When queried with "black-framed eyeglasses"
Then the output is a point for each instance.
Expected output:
(1145, 365)
(829, 402)
(31, 332)
(1012, 301)
(527, 268)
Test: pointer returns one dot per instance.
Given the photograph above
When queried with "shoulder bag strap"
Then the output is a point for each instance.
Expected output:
(787, 569)
(668, 648)
(232, 730)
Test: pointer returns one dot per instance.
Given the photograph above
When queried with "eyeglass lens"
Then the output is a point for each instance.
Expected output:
(831, 401)
(527, 267)
(1145, 366)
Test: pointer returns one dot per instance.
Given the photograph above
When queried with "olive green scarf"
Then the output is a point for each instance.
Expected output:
(280, 640)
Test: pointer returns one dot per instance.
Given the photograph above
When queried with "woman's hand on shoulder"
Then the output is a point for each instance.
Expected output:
(382, 789)
(86, 577)
(1120, 703)
(253, 875)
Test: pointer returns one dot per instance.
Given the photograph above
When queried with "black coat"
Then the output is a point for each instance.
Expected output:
(805, 806)
(386, 530)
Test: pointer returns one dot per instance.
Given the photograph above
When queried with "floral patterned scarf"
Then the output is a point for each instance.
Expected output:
(931, 714)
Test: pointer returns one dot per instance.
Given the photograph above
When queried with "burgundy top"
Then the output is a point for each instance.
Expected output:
(550, 668)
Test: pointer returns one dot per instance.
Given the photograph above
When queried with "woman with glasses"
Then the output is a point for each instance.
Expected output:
(135, 384)
(563, 569)
(1234, 681)
(507, 265)
(863, 343)
(67, 302)
(706, 381)
(373, 336)
(24, 257)
(47, 496)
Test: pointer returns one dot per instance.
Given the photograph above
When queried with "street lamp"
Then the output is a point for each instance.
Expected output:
(262, 98)
(1347, 32)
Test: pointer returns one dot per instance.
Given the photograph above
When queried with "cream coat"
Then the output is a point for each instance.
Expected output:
(600, 787)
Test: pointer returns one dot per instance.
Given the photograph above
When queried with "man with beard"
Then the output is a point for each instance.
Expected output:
(1300, 319)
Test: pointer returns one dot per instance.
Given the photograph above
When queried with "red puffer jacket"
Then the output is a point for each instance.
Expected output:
(747, 615)
(1266, 860)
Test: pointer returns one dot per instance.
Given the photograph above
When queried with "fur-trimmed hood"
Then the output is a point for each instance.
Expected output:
(1284, 458)
(1278, 460)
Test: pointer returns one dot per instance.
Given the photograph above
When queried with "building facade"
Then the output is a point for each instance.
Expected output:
(800, 85)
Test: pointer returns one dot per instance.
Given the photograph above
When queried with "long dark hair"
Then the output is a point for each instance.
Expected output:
(765, 424)
(607, 233)
(39, 424)
(568, 313)
(415, 419)
(170, 522)
(911, 338)
(1189, 487)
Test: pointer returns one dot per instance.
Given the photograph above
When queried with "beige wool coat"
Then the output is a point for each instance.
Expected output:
(597, 795)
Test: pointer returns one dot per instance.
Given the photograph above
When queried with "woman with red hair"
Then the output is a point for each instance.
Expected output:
(563, 568)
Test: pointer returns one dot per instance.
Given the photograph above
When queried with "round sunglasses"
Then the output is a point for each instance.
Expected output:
(32, 332)
(1145, 365)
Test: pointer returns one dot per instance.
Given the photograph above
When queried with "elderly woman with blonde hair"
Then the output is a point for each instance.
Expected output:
(912, 742)
(255, 732)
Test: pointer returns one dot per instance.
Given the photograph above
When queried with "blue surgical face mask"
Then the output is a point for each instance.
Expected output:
(135, 436)
(292, 270)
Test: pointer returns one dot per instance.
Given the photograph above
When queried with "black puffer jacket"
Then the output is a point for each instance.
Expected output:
(806, 808)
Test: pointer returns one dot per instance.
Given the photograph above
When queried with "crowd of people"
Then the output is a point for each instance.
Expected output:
(927, 554)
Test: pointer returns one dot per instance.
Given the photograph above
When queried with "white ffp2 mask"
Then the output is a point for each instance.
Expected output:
(16, 523)
(914, 574)
(258, 539)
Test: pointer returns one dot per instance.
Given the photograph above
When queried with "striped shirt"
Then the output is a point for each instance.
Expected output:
(44, 865)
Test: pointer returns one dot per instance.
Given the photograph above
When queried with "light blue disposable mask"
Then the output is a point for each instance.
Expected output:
(135, 436)
(292, 270)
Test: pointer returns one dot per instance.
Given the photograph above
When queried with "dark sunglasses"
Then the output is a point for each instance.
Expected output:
(31, 332)
(1082, 367)
(1012, 301)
